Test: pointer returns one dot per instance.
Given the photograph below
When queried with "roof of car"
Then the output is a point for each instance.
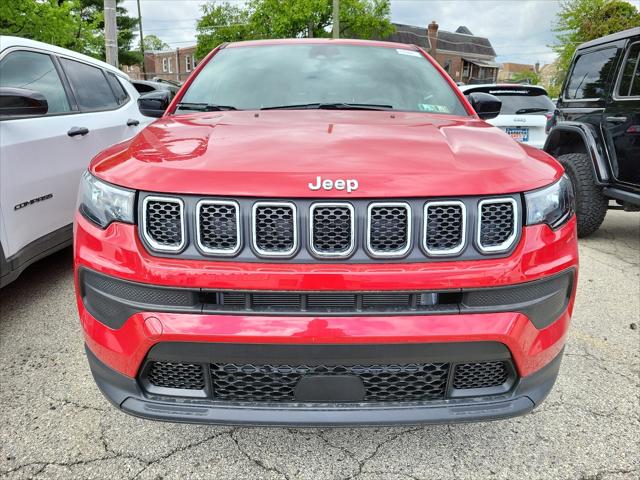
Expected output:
(9, 42)
(340, 41)
(160, 85)
(502, 86)
(611, 38)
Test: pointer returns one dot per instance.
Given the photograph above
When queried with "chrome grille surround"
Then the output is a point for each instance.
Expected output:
(255, 240)
(153, 242)
(397, 253)
(289, 239)
(435, 252)
(199, 228)
(312, 233)
(508, 242)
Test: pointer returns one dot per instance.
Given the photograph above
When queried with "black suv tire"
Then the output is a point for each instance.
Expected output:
(591, 204)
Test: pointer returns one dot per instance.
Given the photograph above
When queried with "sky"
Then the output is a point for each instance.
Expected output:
(519, 30)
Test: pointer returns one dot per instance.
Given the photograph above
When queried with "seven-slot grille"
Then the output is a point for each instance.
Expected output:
(163, 220)
(275, 230)
(218, 225)
(445, 226)
(334, 230)
(389, 229)
(497, 230)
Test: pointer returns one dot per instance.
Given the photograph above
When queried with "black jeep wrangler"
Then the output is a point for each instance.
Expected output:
(596, 127)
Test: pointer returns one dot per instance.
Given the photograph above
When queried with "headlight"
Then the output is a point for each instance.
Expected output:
(103, 203)
(552, 205)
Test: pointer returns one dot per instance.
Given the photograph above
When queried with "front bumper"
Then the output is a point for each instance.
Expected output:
(117, 355)
(125, 393)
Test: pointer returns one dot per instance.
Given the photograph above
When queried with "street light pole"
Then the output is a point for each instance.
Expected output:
(110, 32)
(336, 18)
(144, 68)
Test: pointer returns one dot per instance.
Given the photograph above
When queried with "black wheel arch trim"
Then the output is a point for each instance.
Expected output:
(593, 146)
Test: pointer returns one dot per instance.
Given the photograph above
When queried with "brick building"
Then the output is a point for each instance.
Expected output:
(466, 57)
(174, 65)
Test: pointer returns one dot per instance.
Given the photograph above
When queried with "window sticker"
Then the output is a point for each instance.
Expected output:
(410, 53)
(427, 107)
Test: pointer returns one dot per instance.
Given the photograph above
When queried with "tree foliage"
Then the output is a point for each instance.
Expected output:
(74, 24)
(153, 42)
(530, 78)
(259, 19)
(583, 20)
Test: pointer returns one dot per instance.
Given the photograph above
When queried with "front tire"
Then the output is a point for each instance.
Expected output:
(591, 204)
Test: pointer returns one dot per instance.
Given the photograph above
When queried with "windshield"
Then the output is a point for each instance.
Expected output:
(316, 75)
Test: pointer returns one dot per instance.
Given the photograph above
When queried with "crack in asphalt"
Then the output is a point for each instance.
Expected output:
(184, 448)
(601, 474)
(362, 463)
(256, 461)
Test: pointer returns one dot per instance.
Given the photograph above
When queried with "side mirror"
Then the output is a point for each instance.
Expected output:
(153, 104)
(486, 106)
(20, 101)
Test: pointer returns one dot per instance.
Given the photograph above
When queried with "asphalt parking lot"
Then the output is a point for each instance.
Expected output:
(55, 423)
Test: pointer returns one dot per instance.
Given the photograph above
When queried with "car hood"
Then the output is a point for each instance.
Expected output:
(278, 153)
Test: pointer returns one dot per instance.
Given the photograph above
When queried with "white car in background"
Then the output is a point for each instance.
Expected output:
(525, 113)
(58, 109)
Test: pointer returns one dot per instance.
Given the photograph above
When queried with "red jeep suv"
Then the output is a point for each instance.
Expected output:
(324, 232)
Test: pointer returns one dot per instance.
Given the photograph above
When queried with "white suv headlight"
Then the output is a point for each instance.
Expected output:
(103, 203)
(552, 205)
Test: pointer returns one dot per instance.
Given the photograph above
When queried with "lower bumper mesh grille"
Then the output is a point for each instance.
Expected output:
(185, 376)
(479, 375)
(232, 382)
(272, 383)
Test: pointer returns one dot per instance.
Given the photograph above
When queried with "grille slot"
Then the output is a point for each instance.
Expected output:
(497, 224)
(444, 227)
(276, 383)
(218, 227)
(331, 301)
(480, 375)
(388, 229)
(163, 219)
(185, 376)
(332, 229)
(275, 229)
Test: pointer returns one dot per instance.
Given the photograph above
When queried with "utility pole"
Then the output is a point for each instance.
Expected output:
(336, 18)
(144, 68)
(110, 32)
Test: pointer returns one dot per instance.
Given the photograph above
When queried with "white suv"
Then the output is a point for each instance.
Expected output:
(58, 109)
(526, 111)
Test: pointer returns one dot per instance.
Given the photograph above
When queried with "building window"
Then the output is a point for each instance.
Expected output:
(187, 63)
(164, 64)
(195, 62)
(169, 61)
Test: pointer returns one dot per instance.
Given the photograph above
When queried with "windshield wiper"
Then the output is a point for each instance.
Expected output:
(331, 106)
(204, 107)
(531, 110)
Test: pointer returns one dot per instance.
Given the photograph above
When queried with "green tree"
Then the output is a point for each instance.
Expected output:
(259, 19)
(58, 22)
(74, 24)
(92, 13)
(531, 78)
(583, 20)
(152, 42)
